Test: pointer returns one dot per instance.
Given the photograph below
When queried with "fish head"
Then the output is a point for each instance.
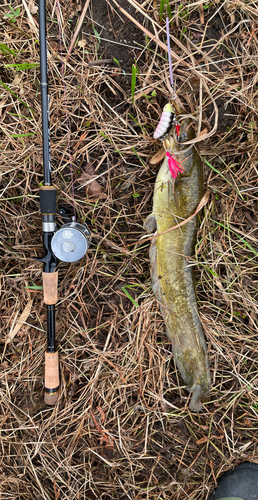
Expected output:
(181, 127)
(179, 154)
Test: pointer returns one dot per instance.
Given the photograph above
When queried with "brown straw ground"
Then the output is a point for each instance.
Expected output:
(122, 428)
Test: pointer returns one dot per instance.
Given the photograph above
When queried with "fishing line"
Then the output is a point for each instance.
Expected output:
(58, 12)
(169, 59)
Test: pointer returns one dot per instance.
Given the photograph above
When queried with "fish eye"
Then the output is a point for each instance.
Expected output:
(182, 137)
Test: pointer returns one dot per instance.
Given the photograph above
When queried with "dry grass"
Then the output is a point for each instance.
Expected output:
(122, 428)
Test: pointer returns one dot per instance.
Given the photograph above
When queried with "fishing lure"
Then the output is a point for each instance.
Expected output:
(167, 119)
(165, 123)
(174, 166)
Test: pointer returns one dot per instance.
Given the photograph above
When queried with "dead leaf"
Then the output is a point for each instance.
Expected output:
(56, 45)
(94, 187)
(202, 440)
(82, 43)
(19, 323)
(248, 422)
(80, 141)
(203, 132)
(32, 7)
(158, 156)
(17, 80)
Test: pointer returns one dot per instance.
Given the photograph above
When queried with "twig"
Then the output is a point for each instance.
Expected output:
(79, 25)
(150, 35)
(100, 62)
(202, 203)
(31, 19)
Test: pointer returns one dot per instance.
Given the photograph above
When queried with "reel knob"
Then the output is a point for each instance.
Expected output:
(71, 242)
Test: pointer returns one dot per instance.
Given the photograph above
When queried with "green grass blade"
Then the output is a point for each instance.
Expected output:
(137, 123)
(161, 9)
(223, 177)
(129, 296)
(20, 116)
(22, 66)
(139, 158)
(169, 10)
(237, 235)
(97, 35)
(133, 81)
(24, 135)
(13, 93)
(219, 173)
(6, 51)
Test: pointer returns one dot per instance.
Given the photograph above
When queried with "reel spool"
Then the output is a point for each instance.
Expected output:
(71, 242)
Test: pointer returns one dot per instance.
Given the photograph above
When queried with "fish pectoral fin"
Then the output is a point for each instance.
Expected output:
(150, 224)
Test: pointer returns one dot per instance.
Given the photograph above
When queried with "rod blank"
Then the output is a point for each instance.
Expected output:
(44, 92)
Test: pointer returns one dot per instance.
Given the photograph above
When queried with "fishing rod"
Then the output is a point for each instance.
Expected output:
(67, 244)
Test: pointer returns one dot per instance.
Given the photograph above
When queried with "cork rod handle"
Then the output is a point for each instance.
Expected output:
(51, 378)
(51, 358)
(50, 281)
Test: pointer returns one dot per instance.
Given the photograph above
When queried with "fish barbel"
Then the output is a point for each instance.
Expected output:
(175, 200)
